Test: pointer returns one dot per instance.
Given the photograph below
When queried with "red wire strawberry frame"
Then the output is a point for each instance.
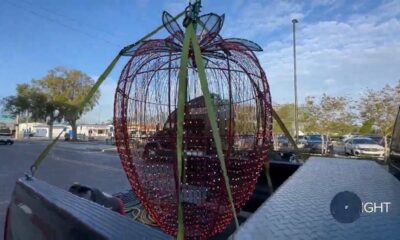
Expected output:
(145, 125)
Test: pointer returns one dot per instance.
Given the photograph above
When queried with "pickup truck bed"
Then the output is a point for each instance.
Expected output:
(300, 208)
(39, 210)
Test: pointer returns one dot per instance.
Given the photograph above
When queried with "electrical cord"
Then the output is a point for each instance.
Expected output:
(140, 214)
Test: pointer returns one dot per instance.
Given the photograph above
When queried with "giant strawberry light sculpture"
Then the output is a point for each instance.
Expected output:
(193, 124)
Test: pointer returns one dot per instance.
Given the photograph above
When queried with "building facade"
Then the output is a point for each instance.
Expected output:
(84, 131)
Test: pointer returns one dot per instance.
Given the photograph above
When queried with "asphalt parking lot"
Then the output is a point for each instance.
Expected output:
(66, 163)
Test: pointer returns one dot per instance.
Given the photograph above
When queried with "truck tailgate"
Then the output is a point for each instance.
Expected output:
(39, 210)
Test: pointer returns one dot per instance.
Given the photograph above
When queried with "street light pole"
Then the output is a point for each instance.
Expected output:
(296, 124)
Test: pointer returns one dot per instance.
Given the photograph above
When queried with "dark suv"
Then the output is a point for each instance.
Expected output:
(317, 142)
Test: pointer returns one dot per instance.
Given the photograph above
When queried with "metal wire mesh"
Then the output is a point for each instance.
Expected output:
(145, 125)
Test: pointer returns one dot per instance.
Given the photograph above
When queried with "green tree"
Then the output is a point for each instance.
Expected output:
(380, 106)
(244, 123)
(33, 104)
(286, 113)
(329, 115)
(367, 127)
(67, 88)
(312, 122)
(20, 103)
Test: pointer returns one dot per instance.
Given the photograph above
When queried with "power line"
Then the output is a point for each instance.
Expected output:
(51, 11)
(56, 21)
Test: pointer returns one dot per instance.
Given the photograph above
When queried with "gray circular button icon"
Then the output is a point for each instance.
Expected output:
(346, 207)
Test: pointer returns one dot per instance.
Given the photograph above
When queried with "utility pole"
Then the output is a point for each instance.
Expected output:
(17, 134)
(296, 123)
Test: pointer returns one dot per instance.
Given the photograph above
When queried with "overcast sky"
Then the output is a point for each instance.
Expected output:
(344, 47)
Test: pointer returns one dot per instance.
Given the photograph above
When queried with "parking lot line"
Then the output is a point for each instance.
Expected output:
(88, 164)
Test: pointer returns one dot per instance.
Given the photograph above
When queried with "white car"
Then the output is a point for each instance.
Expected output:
(6, 140)
(359, 146)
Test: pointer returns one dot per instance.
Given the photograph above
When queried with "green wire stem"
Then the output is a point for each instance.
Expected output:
(212, 115)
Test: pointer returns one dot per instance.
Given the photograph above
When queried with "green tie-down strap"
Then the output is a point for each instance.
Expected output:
(182, 92)
(43, 154)
(99, 81)
(81, 106)
(94, 89)
(212, 115)
(284, 129)
(190, 37)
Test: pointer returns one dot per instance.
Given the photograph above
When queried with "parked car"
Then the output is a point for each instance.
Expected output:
(283, 141)
(67, 137)
(317, 142)
(346, 138)
(363, 146)
(377, 138)
(302, 142)
(7, 140)
(156, 148)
